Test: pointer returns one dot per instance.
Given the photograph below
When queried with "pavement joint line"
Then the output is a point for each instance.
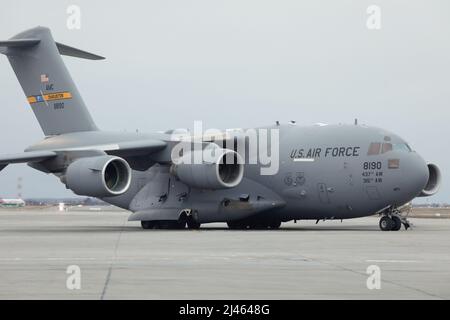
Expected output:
(108, 275)
(384, 280)
(48, 259)
(394, 261)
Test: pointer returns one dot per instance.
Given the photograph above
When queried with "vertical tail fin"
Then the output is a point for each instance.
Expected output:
(51, 92)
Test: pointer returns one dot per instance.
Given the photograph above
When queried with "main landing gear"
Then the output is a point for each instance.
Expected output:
(170, 224)
(392, 220)
(186, 220)
(163, 224)
(241, 225)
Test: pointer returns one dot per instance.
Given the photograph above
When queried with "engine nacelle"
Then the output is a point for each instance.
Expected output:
(99, 176)
(220, 169)
(434, 181)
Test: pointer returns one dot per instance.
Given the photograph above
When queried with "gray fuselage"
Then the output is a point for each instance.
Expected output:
(325, 172)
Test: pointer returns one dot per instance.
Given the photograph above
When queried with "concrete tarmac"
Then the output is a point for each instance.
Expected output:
(119, 260)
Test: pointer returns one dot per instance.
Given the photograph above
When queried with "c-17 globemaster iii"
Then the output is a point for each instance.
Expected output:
(320, 172)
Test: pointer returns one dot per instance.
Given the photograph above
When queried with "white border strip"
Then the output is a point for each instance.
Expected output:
(304, 159)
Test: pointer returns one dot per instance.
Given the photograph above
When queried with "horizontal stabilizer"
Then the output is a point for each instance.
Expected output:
(74, 52)
(32, 156)
(19, 43)
(63, 49)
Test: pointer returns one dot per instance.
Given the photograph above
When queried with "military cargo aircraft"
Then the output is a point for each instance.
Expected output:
(321, 172)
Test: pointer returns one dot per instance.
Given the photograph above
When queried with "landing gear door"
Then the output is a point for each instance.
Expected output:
(178, 191)
(162, 191)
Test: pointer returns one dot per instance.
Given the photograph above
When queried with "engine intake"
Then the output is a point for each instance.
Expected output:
(220, 169)
(434, 181)
(99, 176)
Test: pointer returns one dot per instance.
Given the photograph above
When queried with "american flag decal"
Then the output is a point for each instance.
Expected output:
(44, 78)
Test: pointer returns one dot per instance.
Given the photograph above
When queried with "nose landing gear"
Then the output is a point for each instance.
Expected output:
(392, 220)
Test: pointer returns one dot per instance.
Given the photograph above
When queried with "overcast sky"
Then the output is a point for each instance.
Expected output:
(241, 64)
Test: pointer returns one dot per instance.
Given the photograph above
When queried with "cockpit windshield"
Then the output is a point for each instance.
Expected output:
(380, 148)
(402, 146)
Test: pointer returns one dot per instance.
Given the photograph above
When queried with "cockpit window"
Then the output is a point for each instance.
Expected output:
(402, 147)
(386, 147)
(380, 148)
(374, 148)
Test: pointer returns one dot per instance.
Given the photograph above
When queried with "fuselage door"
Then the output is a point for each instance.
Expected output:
(323, 193)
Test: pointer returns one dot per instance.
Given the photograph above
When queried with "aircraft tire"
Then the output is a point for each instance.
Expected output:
(171, 224)
(192, 224)
(397, 223)
(148, 224)
(232, 225)
(275, 225)
(258, 226)
(178, 225)
(386, 223)
(235, 225)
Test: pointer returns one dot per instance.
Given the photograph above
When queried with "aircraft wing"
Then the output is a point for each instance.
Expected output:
(125, 148)
(138, 147)
(32, 156)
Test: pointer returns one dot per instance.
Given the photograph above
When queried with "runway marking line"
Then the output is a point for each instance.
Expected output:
(394, 261)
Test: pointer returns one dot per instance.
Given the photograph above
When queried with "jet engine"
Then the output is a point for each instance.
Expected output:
(99, 176)
(434, 181)
(219, 169)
